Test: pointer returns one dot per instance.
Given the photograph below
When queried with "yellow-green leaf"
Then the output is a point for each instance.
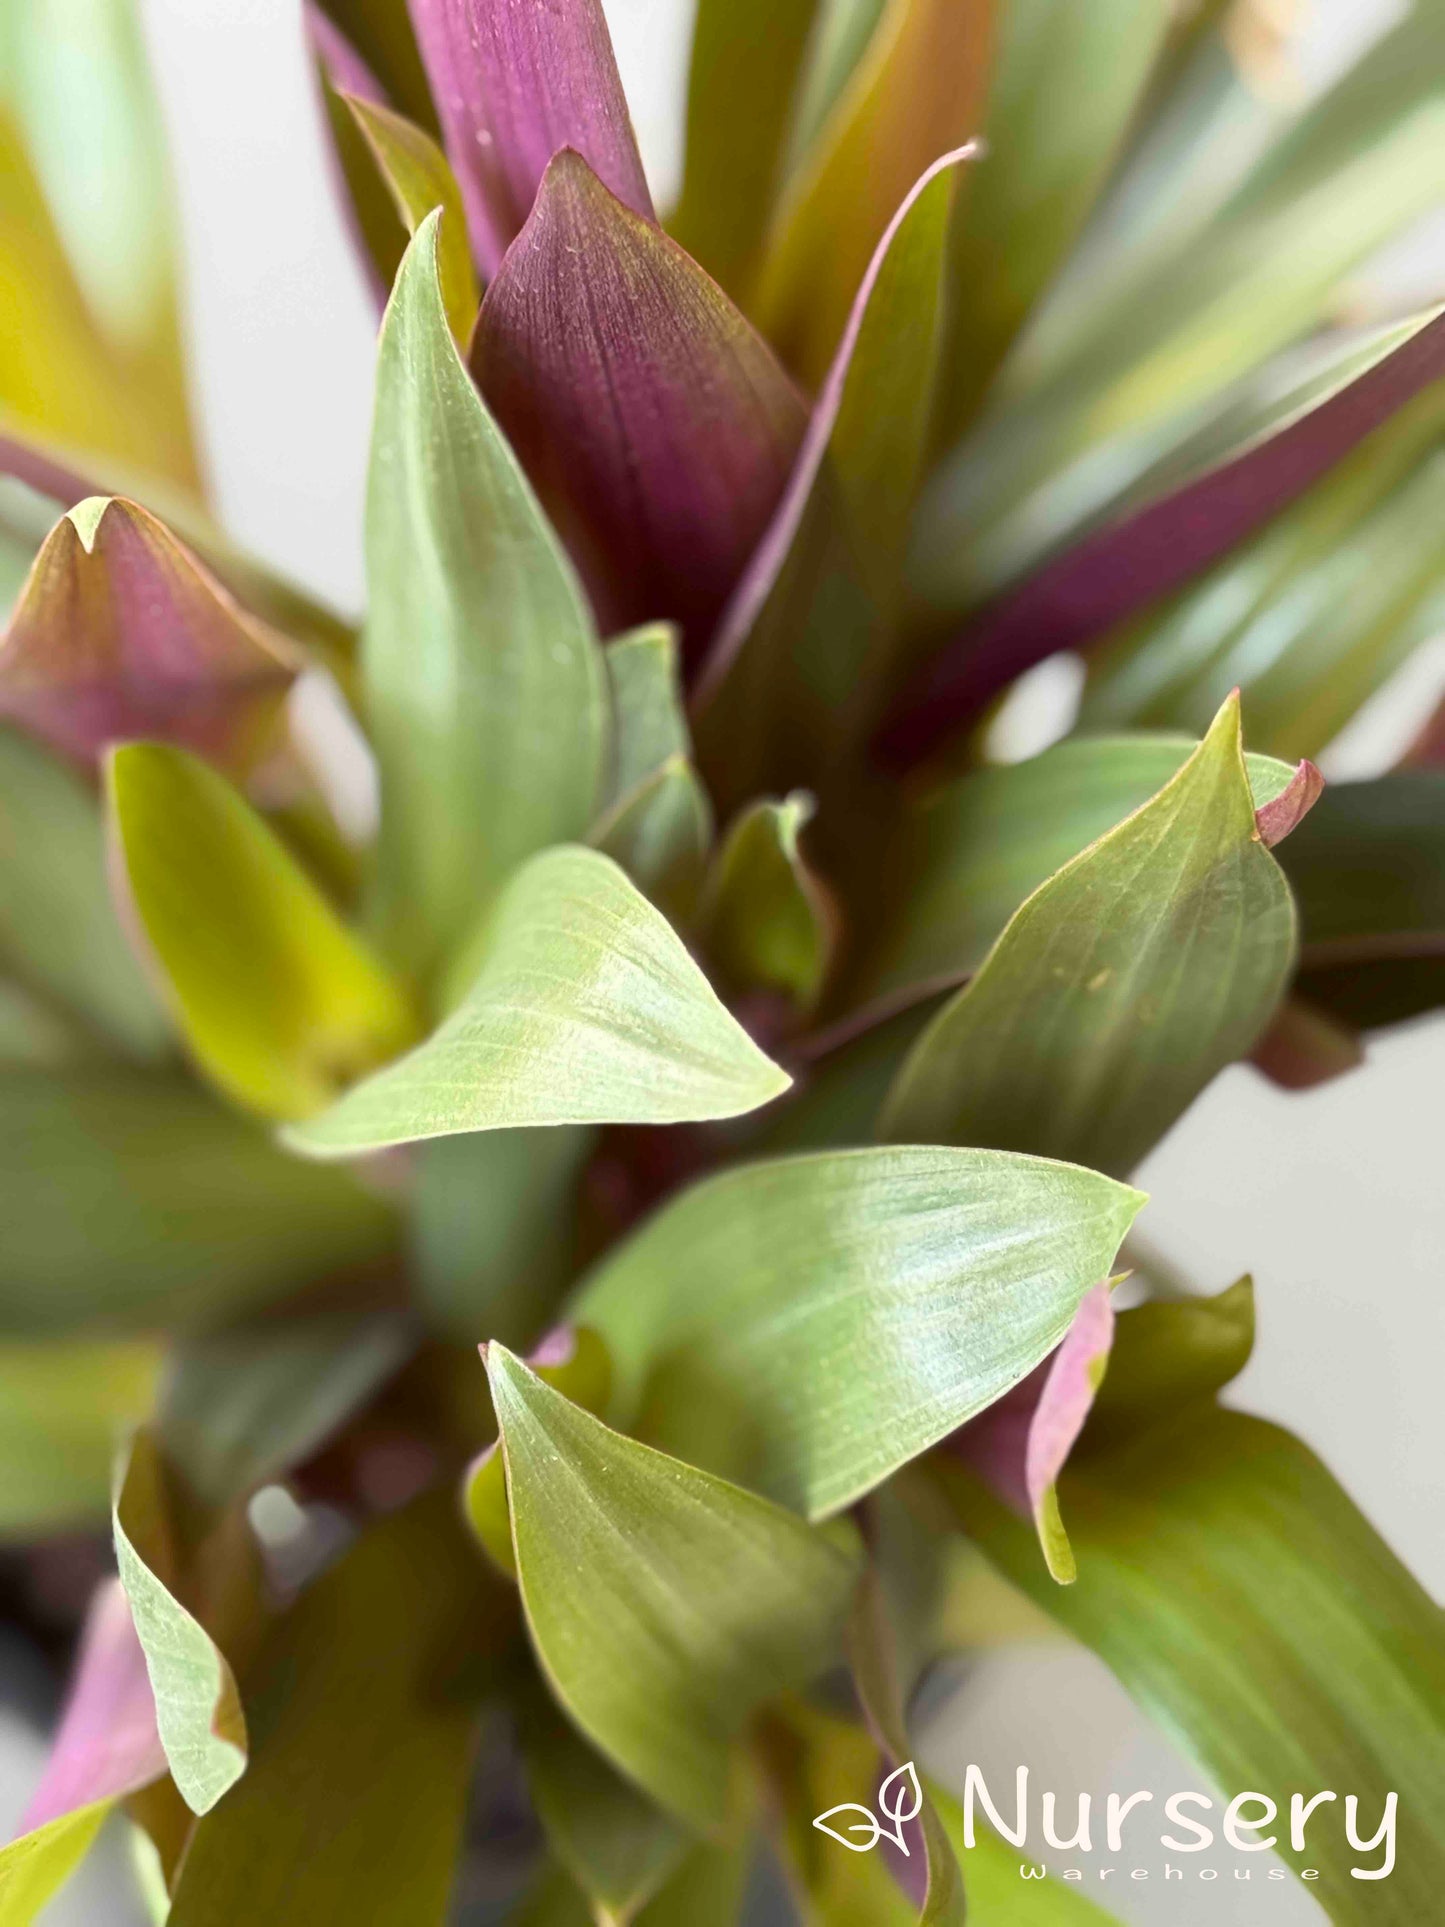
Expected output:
(419, 179)
(280, 1003)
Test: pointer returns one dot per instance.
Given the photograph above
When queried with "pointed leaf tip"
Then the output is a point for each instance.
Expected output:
(120, 632)
(583, 1007)
(515, 82)
(656, 422)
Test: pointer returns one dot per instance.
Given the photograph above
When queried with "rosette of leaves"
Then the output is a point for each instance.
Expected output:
(706, 1029)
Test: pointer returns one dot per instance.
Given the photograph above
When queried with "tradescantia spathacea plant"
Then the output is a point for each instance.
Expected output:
(566, 1295)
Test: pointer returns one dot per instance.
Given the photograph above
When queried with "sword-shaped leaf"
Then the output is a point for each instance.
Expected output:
(1066, 84)
(807, 649)
(583, 1007)
(1146, 551)
(664, 1604)
(120, 632)
(280, 1003)
(418, 179)
(483, 675)
(747, 56)
(1122, 986)
(825, 1319)
(657, 425)
(918, 93)
(514, 83)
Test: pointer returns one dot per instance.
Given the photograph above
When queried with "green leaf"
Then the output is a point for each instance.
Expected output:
(58, 929)
(381, 33)
(1169, 1353)
(765, 922)
(191, 1214)
(1368, 869)
(584, 1008)
(1146, 364)
(1309, 618)
(483, 678)
(664, 1604)
(746, 59)
(1250, 1609)
(968, 857)
(494, 1229)
(649, 723)
(198, 1709)
(354, 1804)
(660, 835)
(830, 1317)
(62, 1408)
(279, 1002)
(842, 31)
(245, 1405)
(917, 93)
(1123, 985)
(419, 179)
(618, 1846)
(1067, 81)
(574, 1361)
(809, 648)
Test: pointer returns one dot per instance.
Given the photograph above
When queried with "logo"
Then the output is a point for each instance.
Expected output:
(900, 1799)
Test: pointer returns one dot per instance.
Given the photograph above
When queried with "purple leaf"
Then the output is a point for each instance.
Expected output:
(1132, 562)
(1020, 1445)
(107, 1745)
(515, 81)
(1293, 804)
(1305, 1047)
(121, 633)
(655, 422)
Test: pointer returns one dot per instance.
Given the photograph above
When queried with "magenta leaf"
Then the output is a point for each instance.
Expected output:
(1131, 562)
(514, 82)
(121, 633)
(1020, 1445)
(107, 1744)
(654, 421)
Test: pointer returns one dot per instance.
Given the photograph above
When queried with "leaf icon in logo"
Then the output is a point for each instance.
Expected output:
(868, 1821)
(900, 1799)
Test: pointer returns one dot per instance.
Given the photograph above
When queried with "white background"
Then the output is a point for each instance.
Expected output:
(1334, 1200)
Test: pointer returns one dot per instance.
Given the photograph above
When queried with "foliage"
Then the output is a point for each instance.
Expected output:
(711, 1031)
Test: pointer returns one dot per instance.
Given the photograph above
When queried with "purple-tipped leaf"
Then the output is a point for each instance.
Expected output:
(1293, 804)
(1020, 1445)
(1134, 561)
(107, 1745)
(344, 66)
(653, 419)
(121, 633)
(514, 82)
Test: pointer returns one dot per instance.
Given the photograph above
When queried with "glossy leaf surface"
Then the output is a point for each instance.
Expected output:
(633, 1565)
(482, 673)
(583, 1008)
(827, 1318)
(1122, 986)
(657, 425)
